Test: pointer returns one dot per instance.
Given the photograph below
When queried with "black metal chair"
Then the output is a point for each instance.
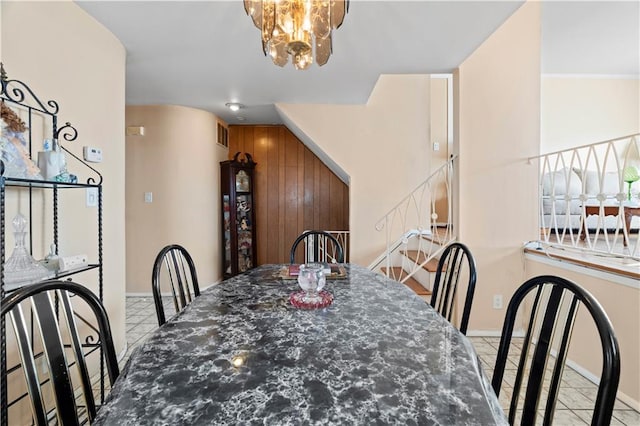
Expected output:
(56, 328)
(450, 266)
(553, 312)
(320, 247)
(174, 270)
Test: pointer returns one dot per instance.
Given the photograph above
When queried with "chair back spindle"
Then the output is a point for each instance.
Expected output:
(175, 272)
(554, 309)
(52, 329)
(455, 259)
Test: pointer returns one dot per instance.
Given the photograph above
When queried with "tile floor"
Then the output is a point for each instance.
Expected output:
(576, 397)
(574, 402)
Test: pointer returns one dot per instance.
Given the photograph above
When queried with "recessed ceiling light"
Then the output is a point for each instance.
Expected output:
(234, 106)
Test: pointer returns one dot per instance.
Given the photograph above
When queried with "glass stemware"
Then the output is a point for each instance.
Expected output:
(630, 175)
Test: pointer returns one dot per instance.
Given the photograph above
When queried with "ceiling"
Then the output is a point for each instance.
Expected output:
(203, 54)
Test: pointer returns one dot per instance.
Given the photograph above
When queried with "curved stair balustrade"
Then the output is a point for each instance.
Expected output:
(417, 229)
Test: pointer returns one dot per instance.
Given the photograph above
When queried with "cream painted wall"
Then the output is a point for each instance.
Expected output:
(177, 160)
(383, 146)
(498, 96)
(622, 304)
(579, 111)
(86, 76)
(439, 106)
(438, 113)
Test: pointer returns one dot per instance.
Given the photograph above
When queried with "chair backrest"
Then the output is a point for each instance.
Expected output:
(550, 325)
(320, 247)
(453, 262)
(45, 322)
(174, 272)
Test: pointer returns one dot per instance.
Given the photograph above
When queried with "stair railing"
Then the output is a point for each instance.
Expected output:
(328, 250)
(420, 223)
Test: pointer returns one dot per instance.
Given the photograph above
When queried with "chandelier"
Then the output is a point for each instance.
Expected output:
(297, 28)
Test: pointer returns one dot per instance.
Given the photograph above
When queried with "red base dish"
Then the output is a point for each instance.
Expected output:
(299, 300)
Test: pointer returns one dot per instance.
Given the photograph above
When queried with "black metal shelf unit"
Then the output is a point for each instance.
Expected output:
(17, 94)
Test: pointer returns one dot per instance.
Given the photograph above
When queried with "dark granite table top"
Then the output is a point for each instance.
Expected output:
(241, 354)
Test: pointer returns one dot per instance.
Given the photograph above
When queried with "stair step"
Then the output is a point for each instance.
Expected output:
(437, 235)
(419, 257)
(397, 273)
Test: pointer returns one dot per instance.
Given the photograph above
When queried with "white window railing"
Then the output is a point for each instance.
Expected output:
(589, 197)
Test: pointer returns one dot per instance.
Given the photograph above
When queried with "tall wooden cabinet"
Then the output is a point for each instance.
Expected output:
(239, 249)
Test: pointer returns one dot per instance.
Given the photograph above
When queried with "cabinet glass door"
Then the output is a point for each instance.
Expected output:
(245, 240)
(226, 215)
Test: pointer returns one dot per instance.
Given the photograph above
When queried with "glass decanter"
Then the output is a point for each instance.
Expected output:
(21, 268)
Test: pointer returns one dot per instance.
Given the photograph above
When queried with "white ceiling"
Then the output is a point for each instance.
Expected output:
(204, 54)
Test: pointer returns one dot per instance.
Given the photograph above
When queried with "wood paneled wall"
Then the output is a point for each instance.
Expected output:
(294, 190)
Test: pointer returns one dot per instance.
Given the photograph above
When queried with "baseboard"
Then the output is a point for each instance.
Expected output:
(492, 333)
(123, 352)
(596, 380)
(483, 333)
(629, 401)
(150, 294)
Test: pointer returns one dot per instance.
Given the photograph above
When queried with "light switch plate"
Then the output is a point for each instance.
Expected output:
(92, 197)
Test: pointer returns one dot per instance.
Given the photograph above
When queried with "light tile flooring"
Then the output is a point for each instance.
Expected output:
(574, 402)
(576, 397)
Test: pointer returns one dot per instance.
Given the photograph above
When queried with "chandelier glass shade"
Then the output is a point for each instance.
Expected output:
(297, 28)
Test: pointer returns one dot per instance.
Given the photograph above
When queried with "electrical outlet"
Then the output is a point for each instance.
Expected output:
(497, 301)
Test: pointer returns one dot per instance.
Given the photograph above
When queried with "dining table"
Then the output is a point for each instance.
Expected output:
(242, 354)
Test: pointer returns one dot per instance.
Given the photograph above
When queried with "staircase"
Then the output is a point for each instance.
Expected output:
(417, 270)
(412, 283)
(423, 222)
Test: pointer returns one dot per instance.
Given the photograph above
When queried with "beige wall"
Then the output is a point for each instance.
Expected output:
(86, 76)
(498, 91)
(177, 160)
(622, 304)
(583, 110)
(383, 147)
(439, 110)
